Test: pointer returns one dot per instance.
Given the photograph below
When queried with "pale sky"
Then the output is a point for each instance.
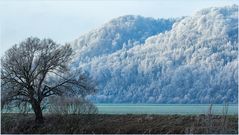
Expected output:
(66, 20)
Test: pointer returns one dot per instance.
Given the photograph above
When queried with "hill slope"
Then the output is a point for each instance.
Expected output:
(194, 62)
(122, 32)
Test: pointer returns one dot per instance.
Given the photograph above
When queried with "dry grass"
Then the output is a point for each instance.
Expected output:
(144, 124)
(211, 124)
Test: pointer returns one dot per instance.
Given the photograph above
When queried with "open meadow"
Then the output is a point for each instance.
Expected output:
(130, 123)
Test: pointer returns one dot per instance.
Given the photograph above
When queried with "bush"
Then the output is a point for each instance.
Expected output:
(72, 105)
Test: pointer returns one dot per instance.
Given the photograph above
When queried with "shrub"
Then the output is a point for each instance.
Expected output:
(71, 105)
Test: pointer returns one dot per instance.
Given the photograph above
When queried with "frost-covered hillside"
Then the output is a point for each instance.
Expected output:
(195, 61)
(120, 33)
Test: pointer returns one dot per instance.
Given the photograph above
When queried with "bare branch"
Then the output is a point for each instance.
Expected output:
(36, 69)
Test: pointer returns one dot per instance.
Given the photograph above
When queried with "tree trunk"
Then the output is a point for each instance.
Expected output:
(38, 112)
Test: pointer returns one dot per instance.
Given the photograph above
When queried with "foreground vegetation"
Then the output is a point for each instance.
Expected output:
(102, 123)
(36, 70)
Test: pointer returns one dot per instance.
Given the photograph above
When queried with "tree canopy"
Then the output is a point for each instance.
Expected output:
(36, 69)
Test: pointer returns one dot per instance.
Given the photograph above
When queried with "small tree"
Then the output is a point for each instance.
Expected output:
(36, 69)
(71, 105)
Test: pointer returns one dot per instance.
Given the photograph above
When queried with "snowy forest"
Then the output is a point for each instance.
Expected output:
(135, 59)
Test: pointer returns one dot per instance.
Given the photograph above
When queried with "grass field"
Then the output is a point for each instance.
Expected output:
(99, 123)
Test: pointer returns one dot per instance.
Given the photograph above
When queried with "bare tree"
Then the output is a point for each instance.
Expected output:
(36, 69)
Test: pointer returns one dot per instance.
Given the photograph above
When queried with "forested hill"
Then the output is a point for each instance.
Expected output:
(120, 33)
(193, 59)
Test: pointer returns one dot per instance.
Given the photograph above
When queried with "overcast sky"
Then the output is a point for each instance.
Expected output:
(66, 20)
